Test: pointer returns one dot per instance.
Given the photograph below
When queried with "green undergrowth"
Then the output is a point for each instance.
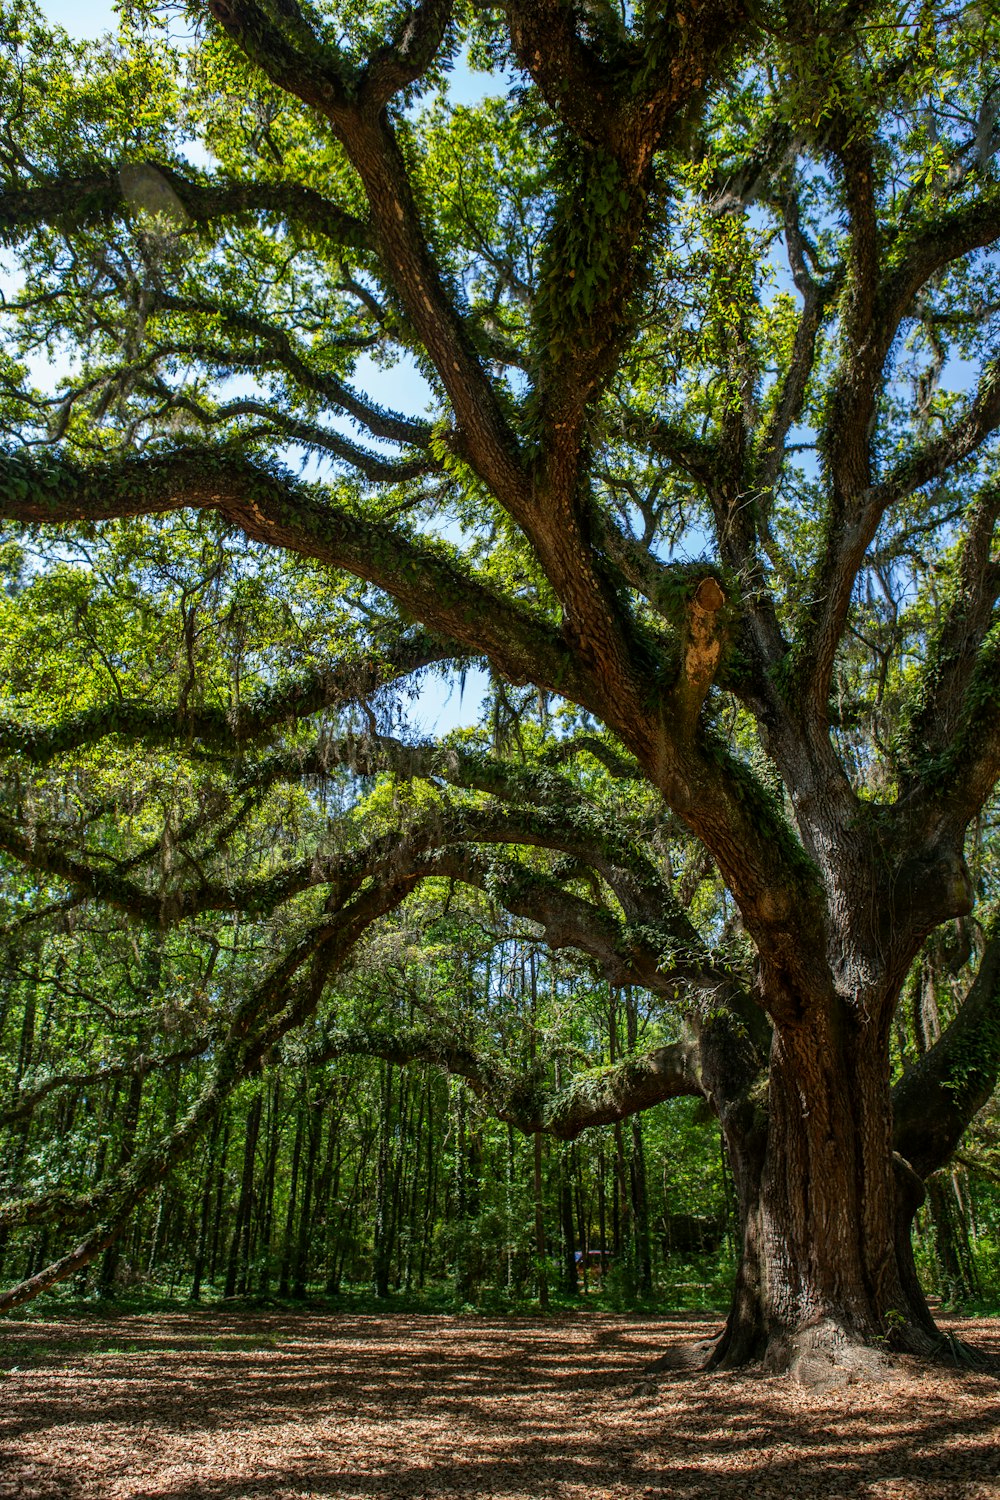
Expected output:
(986, 1305)
(200, 1330)
(686, 1288)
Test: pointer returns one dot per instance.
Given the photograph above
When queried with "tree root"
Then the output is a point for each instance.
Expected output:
(955, 1351)
(825, 1356)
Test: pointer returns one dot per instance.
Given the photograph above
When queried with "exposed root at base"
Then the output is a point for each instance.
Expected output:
(821, 1357)
(825, 1357)
(954, 1351)
(683, 1356)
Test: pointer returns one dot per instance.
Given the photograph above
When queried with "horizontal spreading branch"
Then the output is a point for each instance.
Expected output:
(273, 350)
(22, 1104)
(598, 1096)
(932, 460)
(153, 187)
(227, 729)
(626, 953)
(271, 507)
(273, 423)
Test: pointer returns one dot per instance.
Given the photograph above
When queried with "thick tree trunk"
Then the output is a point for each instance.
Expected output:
(826, 1283)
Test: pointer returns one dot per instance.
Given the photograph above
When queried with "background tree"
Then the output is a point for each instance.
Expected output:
(704, 305)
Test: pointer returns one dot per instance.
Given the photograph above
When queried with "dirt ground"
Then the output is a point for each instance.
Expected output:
(226, 1406)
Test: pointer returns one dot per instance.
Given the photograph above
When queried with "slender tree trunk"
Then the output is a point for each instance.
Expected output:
(509, 1172)
(541, 1261)
(346, 1246)
(400, 1184)
(333, 1211)
(201, 1246)
(621, 1216)
(220, 1193)
(460, 1198)
(347, 1211)
(582, 1215)
(619, 1197)
(325, 1192)
(130, 1121)
(159, 1229)
(241, 1228)
(430, 1192)
(26, 1046)
(414, 1193)
(541, 1258)
(382, 1243)
(293, 1190)
(273, 1137)
(640, 1211)
(637, 1171)
(570, 1281)
(24, 1058)
(41, 1254)
(958, 1277)
(300, 1275)
(344, 1240)
(602, 1209)
(163, 1196)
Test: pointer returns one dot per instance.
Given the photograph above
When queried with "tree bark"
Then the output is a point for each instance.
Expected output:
(826, 1283)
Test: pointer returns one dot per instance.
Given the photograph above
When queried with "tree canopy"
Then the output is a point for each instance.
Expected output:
(703, 301)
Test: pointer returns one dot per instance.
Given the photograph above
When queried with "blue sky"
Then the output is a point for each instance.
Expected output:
(82, 18)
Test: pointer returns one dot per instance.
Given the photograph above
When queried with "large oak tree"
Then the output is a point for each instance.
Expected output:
(703, 297)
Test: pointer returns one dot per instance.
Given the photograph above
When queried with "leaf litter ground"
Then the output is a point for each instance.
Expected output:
(210, 1405)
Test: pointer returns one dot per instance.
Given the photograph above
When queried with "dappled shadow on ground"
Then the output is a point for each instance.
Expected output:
(216, 1406)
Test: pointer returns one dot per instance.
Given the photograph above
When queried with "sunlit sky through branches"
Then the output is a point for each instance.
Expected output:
(442, 704)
